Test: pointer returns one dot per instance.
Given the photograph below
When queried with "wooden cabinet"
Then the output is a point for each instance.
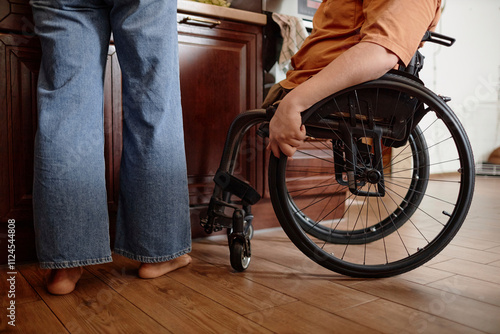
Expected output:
(221, 76)
(20, 59)
(220, 69)
(19, 64)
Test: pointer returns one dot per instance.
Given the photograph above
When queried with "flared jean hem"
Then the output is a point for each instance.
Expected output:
(150, 259)
(72, 264)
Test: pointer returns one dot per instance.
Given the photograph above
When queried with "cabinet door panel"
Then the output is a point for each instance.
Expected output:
(20, 59)
(15, 15)
(218, 81)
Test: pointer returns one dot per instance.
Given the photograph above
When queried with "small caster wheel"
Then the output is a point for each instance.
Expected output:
(239, 261)
(249, 231)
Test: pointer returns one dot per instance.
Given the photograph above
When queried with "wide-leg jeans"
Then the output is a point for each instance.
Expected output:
(69, 194)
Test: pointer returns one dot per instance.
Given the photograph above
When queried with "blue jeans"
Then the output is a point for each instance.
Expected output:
(69, 194)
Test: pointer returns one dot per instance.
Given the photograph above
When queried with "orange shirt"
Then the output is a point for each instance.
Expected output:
(397, 25)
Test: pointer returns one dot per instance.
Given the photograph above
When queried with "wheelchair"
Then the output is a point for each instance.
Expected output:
(382, 183)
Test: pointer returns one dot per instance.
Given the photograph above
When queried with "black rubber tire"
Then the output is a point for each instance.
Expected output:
(239, 261)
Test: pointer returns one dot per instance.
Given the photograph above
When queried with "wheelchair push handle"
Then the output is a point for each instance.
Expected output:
(434, 37)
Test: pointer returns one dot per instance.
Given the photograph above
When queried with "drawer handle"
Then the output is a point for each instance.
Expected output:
(189, 19)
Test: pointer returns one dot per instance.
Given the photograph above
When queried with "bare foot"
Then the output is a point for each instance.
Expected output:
(153, 270)
(63, 281)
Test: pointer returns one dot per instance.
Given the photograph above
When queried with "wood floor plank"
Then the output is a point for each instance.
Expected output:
(300, 317)
(471, 288)
(390, 317)
(230, 289)
(316, 290)
(95, 308)
(21, 290)
(495, 249)
(183, 310)
(34, 317)
(117, 274)
(425, 275)
(465, 240)
(483, 234)
(478, 256)
(470, 269)
(214, 251)
(485, 218)
(269, 247)
(289, 256)
(441, 303)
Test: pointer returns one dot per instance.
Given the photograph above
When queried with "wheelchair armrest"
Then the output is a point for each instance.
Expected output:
(434, 37)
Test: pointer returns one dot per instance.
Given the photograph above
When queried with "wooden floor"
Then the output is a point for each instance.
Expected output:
(282, 291)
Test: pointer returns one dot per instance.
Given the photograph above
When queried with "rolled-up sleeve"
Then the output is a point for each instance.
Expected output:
(399, 25)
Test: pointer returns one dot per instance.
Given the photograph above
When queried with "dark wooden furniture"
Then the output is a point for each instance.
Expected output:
(19, 63)
(220, 78)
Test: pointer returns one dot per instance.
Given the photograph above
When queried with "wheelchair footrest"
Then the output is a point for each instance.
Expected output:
(237, 187)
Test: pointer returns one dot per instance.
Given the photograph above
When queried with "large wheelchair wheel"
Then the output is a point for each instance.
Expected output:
(355, 215)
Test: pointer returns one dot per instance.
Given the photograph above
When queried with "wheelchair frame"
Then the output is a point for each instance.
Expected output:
(239, 222)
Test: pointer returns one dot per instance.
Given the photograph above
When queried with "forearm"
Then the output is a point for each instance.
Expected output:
(363, 62)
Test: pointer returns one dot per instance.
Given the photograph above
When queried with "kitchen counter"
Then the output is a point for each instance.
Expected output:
(198, 8)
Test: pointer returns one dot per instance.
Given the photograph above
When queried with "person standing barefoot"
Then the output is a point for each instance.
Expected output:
(69, 189)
